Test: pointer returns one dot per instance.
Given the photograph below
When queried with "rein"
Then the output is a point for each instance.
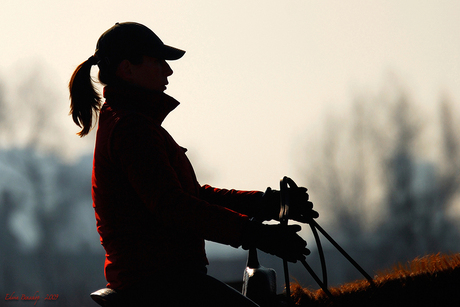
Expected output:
(285, 184)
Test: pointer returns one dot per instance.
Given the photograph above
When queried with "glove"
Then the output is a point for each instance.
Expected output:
(300, 209)
(278, 240)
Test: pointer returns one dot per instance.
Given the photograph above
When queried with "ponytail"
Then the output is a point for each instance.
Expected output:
(85, 101)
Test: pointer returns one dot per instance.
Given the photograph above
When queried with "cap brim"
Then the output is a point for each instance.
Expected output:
(171, 53)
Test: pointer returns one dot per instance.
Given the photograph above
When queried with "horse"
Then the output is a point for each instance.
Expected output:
(432, 280)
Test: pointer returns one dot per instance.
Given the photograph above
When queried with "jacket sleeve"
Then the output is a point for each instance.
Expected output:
(246, 202)
(140, 152)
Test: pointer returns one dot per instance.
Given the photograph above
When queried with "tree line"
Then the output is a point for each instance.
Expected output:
(386, 177)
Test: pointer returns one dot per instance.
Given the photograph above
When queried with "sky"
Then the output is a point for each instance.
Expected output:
(258, 77)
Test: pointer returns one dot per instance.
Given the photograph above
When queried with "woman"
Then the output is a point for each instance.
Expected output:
(152, 215)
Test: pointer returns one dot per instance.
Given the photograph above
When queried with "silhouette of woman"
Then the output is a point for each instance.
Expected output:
(152, 215)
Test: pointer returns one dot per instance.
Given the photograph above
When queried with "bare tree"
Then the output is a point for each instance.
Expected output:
(371, 179)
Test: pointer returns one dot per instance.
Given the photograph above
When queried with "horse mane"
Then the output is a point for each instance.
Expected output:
(432, 280)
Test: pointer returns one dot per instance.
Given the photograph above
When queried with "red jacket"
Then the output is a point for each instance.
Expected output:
(151, 212)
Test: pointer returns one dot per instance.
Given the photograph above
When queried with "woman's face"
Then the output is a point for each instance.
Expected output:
(152, 74)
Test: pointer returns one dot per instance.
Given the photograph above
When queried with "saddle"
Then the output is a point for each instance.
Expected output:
(106, 297)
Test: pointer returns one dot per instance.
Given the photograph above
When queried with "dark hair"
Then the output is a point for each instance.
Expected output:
(85, 100)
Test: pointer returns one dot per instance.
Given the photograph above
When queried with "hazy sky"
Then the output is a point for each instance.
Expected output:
(258, 76)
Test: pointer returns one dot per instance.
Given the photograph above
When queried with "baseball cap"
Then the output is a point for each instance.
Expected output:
(128, 39)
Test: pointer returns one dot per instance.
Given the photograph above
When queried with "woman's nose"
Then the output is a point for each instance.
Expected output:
(167, 69)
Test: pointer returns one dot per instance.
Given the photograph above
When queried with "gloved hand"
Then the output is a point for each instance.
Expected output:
(300, 209)
(278, 240)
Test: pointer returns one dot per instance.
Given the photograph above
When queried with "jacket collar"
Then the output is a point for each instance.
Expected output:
(154, 104)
